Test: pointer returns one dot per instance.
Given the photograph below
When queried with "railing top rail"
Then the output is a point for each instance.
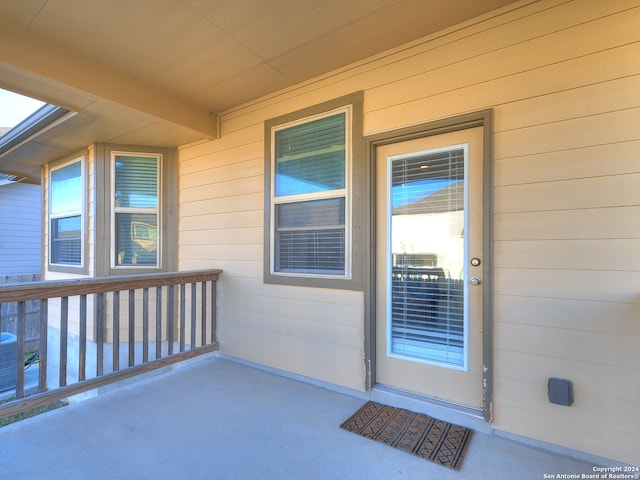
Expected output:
(17, 292)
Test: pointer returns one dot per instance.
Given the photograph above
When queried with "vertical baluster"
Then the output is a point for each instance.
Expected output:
(213, 312)
(203, 333)
(193, 312)
(44, 331)
(100, 336)
(183, 301)
(116, 331)
(132, 327)
(82, 347)
(170, 319)
(20, 333)
(145, 325)
(64, 331)
(204, 303)
(158, 322)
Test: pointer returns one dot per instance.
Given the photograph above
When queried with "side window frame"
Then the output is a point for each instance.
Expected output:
(116, 210)
(168, 206)
(354, 193)
(80, 268)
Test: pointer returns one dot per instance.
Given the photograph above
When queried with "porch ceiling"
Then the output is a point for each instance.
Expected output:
(156, 72)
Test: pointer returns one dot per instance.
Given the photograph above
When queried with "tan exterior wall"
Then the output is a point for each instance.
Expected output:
(563, 78)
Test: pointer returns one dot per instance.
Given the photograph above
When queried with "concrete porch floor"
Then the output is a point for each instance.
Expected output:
(218, 419)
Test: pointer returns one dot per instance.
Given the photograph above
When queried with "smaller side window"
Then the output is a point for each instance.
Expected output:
(135, 213)
(66, 201)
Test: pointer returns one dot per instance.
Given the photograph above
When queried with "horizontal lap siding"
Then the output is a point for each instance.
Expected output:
(309, 332)
(563, 80)
(567, 275)
(20, 229)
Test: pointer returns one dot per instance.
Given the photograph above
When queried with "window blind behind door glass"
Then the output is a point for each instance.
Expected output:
(427, 223)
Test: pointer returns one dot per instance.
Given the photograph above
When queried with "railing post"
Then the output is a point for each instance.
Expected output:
(64, 330)
(132, 327)
(20, 333)
(145, 325)
(158, 322)
(214, 300)
(193, 313)
(203, 320)
(170, 318)
(100, 332)
(82, 347)
(116, 331)
(183, 302)
(44, 345)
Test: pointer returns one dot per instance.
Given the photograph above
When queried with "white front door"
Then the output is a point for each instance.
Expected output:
(429, 204)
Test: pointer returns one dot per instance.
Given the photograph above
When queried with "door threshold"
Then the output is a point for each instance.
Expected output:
(449, 412)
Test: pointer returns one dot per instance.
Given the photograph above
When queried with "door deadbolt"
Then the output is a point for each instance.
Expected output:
(475, 280)
(475, 261)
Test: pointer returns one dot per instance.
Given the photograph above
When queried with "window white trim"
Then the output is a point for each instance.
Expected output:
(149, 210)
(81, 159)
(324, 195)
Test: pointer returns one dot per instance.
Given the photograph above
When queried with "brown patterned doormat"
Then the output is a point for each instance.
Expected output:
(416, 433)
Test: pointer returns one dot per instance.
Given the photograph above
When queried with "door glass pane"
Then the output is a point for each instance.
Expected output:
(427, 256)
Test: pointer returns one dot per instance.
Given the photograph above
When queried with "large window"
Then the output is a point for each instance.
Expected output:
(311, 196)
(309, 199)
(135, 209)
(66, 200)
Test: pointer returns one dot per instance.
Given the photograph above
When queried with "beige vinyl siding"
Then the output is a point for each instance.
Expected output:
(308, 331)
(563, 78)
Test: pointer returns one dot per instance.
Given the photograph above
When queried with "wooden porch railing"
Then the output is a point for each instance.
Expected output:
(159, 330)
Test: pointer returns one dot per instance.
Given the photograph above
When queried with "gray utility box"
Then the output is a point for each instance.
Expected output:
(7, 361)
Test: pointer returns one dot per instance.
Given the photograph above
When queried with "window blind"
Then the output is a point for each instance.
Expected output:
(136, 182)
(427, 298)
(136, 210)
(310, 237)
(66, 240)
(311, 157)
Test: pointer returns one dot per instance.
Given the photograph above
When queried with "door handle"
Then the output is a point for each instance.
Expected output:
(475, 281)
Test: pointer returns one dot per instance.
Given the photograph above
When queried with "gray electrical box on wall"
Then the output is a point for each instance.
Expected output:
(560, 391)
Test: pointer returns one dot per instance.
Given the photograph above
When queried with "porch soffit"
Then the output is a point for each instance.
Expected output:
(157, 71)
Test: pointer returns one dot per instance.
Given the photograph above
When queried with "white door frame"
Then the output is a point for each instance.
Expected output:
(483, 119)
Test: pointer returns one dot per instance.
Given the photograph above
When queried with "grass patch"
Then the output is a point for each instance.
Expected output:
(32, 412)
